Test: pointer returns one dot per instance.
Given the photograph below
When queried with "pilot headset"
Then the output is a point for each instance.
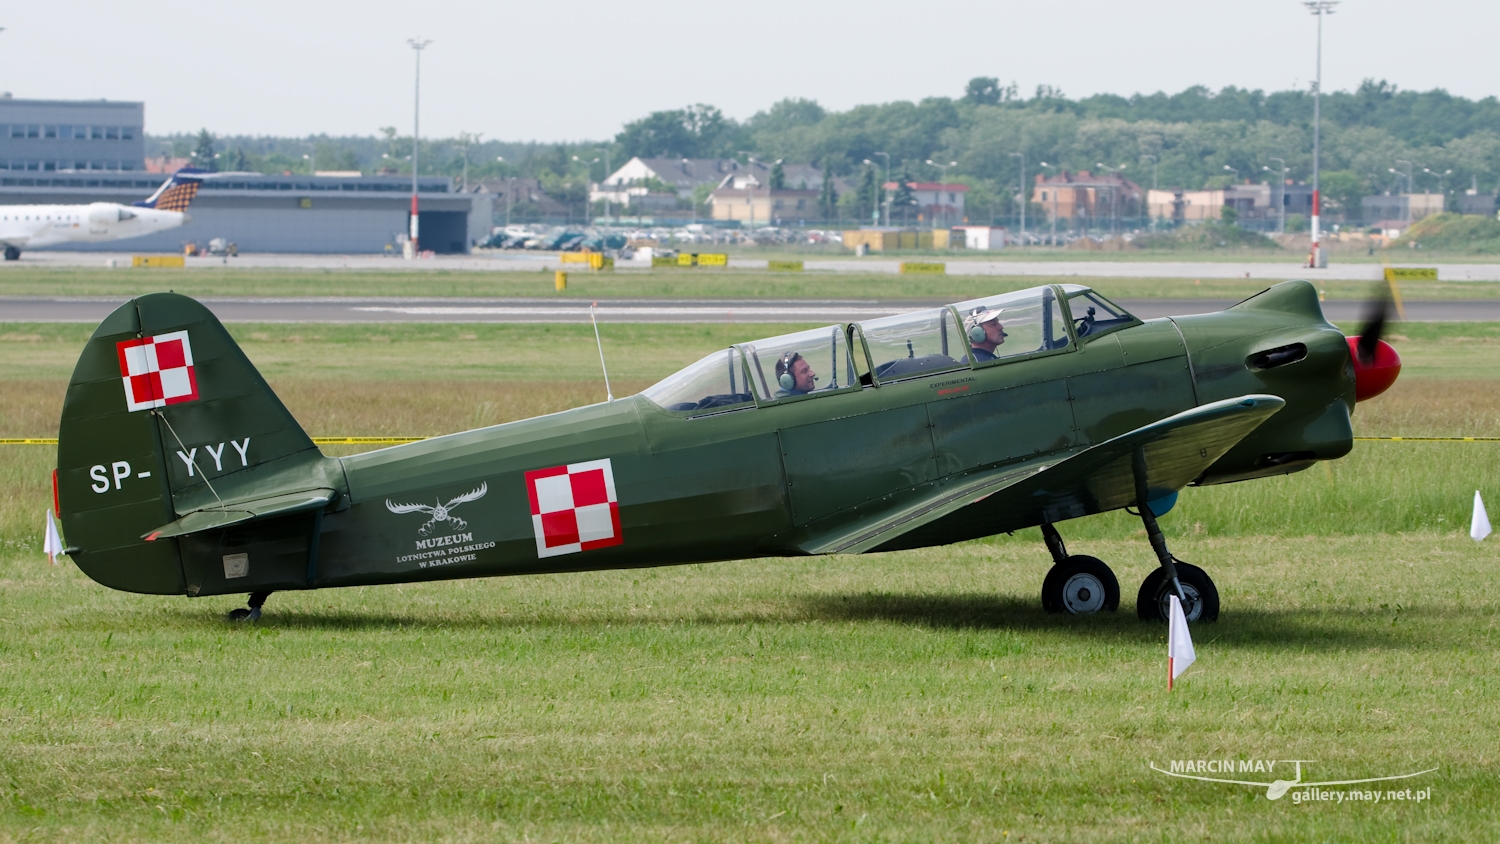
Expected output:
(976, 331)
(786, 379)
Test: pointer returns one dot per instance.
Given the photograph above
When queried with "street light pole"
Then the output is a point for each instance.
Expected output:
(1280, 195)
(588, 204)
(1022, 156)
(1153, 189)
(1441, 176)
(1317, 259)
(418, 45)
(510, 192)
(884, 192)
(942, 180)
(1054, 205)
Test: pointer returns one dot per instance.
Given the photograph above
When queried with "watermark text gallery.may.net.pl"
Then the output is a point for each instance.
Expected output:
(1282, 777)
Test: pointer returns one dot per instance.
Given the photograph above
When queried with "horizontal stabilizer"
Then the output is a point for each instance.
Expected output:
(240, 512)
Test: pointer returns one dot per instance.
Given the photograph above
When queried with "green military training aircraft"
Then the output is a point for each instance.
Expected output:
(180, 472)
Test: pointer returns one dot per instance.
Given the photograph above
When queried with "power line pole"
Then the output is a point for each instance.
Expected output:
(418, 45)
(1318, 259)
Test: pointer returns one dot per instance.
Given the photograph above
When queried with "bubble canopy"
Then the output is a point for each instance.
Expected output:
(835, 359)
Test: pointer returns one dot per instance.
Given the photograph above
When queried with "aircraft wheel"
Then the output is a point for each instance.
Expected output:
(243, 614)
(1202, 596)
(12, 253)
(1080, 585)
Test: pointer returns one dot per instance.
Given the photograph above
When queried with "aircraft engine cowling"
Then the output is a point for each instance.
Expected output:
(1377, 373)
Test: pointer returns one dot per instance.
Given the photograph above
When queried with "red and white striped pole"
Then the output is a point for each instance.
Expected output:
(1312, 258)
(1319, 8)
(417, 44)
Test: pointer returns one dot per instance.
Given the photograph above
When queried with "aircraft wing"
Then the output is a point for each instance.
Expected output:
(1171, 452)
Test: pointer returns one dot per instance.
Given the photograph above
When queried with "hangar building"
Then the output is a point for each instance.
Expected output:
(304, 214)
(48, 135)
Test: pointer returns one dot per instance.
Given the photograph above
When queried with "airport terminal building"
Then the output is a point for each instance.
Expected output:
(69, 153)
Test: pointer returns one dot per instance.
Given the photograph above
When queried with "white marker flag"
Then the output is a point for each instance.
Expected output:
(52, 546)
(1479, 525)
(1179, 643)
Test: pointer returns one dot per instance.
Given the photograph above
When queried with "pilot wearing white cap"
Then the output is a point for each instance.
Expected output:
(985, 333)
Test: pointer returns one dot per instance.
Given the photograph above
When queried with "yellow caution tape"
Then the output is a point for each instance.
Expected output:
(405, 440)
(1429, 439)
(316, 440)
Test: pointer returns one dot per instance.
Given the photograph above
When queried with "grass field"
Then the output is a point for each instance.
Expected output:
(664, 283)
(907, 697)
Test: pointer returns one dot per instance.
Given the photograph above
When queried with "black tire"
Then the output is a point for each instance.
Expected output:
(12, 253)
(1080, 585)
(1203, 596)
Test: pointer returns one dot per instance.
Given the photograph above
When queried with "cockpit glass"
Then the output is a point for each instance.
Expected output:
(1093, 314)
(1012, 324)
(805, 363)
(915, 344)
(715, 383)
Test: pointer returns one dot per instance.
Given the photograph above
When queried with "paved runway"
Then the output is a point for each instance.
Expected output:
(375, 310)
(958, 264)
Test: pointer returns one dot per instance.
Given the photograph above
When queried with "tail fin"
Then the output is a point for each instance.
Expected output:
(176, 193)
(168, 436)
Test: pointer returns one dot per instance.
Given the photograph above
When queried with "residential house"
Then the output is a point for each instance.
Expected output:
(1086, 196)
(935, 201)
(758, 206)
(520, 198)
(684, 175)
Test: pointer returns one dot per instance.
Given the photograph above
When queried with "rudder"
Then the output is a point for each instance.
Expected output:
(168, 431)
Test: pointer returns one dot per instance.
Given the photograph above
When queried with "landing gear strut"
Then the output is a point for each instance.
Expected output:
(257, 600)
(1077, 584)
(1192, 585)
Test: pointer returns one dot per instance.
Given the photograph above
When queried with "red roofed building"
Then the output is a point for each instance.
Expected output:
(943, 203)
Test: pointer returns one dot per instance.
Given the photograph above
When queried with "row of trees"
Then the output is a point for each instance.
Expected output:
(1195, 138)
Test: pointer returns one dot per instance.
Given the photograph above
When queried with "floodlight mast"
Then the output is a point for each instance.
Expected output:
(417, 44)
(1316, 259)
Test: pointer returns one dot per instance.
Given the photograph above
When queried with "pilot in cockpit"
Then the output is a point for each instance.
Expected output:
(794, 375)
(985, 333)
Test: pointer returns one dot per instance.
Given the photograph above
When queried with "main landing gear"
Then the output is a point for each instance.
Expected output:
(1083, 585)
(1192, 585)
(1077, 584)
(12, 253)
(251, 613)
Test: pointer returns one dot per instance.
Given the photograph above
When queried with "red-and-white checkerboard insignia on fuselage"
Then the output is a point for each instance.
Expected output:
(157, 371)
(574, 508)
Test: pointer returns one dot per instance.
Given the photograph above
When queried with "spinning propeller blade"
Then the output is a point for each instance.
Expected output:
(1376, 363)
(1369, 335)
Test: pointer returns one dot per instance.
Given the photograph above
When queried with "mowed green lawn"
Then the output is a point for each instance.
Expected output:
(914, 696)
(704, 283)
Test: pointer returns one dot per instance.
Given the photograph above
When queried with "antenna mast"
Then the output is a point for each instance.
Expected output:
(608, 393)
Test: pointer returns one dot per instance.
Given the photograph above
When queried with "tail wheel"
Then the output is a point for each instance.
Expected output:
(1153, 602)
(1080, 585)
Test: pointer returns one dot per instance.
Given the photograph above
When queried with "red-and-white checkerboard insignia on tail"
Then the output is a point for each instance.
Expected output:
(574, 508)
(157, 371)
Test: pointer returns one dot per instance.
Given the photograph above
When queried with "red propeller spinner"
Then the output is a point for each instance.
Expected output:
(1376, 364)
(1374, 373)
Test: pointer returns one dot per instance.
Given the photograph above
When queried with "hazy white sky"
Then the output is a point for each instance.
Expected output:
(580, 69)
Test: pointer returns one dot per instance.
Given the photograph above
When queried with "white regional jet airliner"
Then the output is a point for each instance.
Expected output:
(30, 226)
